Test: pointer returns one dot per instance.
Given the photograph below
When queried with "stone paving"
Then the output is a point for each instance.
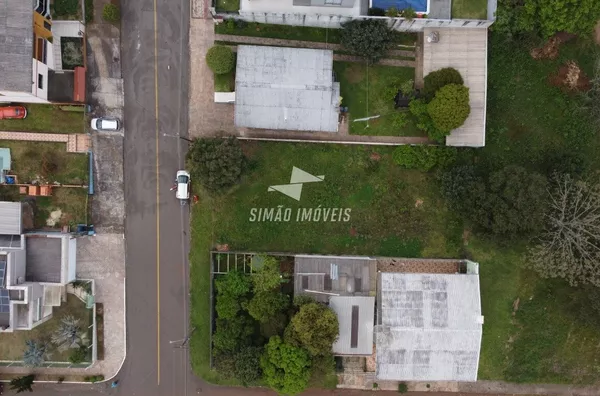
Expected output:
(76, 143)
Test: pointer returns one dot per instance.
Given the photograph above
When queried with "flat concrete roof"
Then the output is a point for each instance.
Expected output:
(356, 317)
(43, 258)
(466, 51)
(429, 327)
(16, 45)
(286, 88)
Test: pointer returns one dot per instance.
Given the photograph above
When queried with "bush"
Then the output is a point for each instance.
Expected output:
(220, 59)
(370, 38)
(286, 368)
(424, 157)
(247, 365)
(399, 120)
(216, 163)
(402, 387)
(232, 291)
(450, 107)
(78, 355)
(409, 13)
(418, 108)
(268, 277)
(230, 25)
(315, 327)
(232, 334)
(65, 7)
(462, 187)
(111, 13)
(264, 306)
(35, 353)
(391, 12)
(440, 78)
(89, 11)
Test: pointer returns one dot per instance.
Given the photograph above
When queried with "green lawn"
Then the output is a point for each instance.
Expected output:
(469, 9)
(225, 82)
(71, 202)
(228, 5)
(12, 344)
(46, 118)
(368, 95)
(286, 32)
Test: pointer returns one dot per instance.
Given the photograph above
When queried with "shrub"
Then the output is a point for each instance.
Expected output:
(462, 187)
(35, 353)
(407, 87)
(439, 78)
(370, 38)
(450, 107)
(391, 12)
(409, 13)
(315, 327)
(402, 387)
(268, 277)
(399, 120)
(418, 108)
(216, 163)
(424, 157)
(111, 13)
(69, 334)
(224, 364)
(89, 11)
(78, 355)
(240, 24)
(247, 365)
(65, 7)
(264, 306)
(286, 368)
(232, 291)
(220, 59)
(232, 334)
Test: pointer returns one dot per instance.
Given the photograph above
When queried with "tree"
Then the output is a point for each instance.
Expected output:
(265, 306)
(423, 157)
(268, 276)
(65, 7)
(286, 368)
(232, 292)
(316, 328)
(247, 365)
(232, 334)
(440, 78)
(22, 384)
(450, 107)
(35, 353)
(69, 334)
(418, 108)
(216, 163)
(78, 355)
(111, 13)
(516, 17)
(463, 188)
(370, 38)
(569, 246)
(220, 59)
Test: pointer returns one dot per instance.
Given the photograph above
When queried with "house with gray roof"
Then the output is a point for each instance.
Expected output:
(34, 270)
(286, 89)
(429, 326)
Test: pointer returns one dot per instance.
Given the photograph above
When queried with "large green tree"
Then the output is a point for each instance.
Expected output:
(315, 327)
(370, 38)
(450, 107)
(546, 17)
(233, 334)
(286, 368)
(268, 276)
(265, 306)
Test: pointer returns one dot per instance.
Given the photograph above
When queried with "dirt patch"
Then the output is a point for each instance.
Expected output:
(54, 218)
(354, 74)
(570, 77)
(551, 48)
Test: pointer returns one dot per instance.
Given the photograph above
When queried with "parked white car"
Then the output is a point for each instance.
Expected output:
(105, 124)
(183, 185)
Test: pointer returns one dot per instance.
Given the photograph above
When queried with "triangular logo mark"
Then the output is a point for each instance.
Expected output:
(300, 176)
(291, 190)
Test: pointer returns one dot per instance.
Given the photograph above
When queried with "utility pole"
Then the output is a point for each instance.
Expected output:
(178, 136)
(183, 341)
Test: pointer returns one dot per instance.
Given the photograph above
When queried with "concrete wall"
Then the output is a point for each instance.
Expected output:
(20, 97)
(335, 21)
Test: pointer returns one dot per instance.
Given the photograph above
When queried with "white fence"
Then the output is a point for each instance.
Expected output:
(335, 21)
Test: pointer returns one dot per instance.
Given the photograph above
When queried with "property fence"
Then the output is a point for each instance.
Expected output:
(336, 21)
(8, 363)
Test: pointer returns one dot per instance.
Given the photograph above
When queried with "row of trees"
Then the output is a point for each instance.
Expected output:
(261, 334)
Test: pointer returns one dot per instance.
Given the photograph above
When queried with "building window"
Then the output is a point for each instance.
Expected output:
(40, 81)
(333, 2)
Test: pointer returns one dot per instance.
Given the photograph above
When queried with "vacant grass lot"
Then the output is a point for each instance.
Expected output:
(469, 9)
(228, 5)
(12, 344)
(535, 330)
(365, 91)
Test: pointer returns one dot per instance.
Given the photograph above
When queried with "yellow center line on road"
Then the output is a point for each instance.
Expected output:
(157, 198)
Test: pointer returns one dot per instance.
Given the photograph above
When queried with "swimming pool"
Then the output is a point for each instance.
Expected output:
(417, 5)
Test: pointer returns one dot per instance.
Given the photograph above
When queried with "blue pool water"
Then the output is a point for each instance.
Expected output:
(417, 5)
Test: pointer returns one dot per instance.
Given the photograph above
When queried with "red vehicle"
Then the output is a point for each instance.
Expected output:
(12, 112)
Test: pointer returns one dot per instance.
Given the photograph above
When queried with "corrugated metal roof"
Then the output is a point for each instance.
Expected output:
(466, 51)
(286, 88)
(429, 327)
(10, 218)
(16, 45)
(343, 307)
